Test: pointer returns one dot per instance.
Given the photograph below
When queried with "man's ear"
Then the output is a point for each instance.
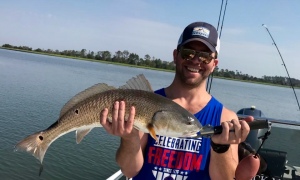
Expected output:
(175, 54)
(216, 62)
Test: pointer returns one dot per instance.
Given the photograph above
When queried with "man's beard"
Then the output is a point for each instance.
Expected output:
(196, 82)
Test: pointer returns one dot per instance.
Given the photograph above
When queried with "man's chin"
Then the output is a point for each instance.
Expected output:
(195, 76)
(193, 82)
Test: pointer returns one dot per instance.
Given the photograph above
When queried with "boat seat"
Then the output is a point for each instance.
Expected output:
(276, 161)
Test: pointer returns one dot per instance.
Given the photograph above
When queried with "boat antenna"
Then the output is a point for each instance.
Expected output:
(283, 64)
(210, 78)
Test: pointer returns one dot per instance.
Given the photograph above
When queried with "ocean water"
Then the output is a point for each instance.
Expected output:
(33, 89)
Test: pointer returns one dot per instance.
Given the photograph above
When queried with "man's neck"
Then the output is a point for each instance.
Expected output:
(192, 98)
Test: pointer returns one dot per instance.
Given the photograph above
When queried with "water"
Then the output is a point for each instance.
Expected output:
(33, 89)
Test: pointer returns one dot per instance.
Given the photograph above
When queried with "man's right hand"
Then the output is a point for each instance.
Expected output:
(118, 125)
(129, 155)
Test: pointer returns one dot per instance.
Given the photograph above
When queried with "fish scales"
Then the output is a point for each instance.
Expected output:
(88, 112)
(146, 105)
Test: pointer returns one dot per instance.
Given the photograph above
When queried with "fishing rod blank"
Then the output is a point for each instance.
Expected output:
(273, 120)
(283, 64)
(210, 78)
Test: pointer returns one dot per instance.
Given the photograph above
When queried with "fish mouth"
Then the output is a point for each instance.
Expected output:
(191, 134)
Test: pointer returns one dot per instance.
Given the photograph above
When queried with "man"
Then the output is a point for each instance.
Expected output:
(140, 157)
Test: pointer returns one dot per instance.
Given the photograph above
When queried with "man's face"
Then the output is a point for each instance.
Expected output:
(193, 71)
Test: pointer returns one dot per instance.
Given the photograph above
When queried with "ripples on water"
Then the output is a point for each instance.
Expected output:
(33, 88)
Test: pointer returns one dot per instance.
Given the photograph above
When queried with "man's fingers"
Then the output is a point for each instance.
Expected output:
(121, 114)
(103, 116)
(234, 132)
(237, 128)
(118, 126)
(225, 132)
(103, 120)
(245, 130)
(249, 119)
(115, 113)
(130, 121)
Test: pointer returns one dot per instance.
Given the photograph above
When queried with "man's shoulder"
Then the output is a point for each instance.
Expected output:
(228, 114)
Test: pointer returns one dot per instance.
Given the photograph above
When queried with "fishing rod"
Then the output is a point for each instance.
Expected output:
(283, 64)
(272, 120)
(258, 123)
(210, 78)
(220, 14)
(223, 19)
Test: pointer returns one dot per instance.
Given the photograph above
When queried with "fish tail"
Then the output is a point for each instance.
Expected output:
(35, 145)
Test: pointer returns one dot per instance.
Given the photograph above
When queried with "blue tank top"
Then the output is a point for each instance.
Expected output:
(180, 158)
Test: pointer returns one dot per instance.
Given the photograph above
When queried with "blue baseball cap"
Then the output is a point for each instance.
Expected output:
(203, 32)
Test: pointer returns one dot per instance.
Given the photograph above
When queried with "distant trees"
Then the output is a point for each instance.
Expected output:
(127, 57)
(265, 79)
(119, 56)
(17, 47)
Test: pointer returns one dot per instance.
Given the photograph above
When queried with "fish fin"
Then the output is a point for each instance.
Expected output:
(35, 145)
(162, 115)
(80, 133)
(152, 133)
(89, 92)
(139, 82)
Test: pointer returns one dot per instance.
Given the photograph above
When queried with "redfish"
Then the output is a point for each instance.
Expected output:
(155, 114)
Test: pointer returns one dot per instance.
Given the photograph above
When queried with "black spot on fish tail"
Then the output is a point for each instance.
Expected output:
(41, 169)
(41, 138)
(76, 111)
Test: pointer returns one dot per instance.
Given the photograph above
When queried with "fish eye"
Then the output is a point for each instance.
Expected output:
(191, 119)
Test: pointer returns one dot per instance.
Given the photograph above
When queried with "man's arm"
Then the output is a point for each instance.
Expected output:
(129, 155)
(223, 165)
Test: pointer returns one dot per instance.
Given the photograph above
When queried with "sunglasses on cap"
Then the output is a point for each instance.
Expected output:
(189, 54)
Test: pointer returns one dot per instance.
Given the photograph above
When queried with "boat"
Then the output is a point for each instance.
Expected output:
(277, 167)
(277, 160)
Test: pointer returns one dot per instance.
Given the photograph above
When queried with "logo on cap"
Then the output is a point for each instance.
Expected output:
(201, 31)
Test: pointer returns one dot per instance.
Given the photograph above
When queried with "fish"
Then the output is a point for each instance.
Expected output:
(155, 114)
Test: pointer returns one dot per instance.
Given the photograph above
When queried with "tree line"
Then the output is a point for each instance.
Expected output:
(127, 57)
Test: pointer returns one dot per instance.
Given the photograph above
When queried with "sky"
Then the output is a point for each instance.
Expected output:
(153, 27)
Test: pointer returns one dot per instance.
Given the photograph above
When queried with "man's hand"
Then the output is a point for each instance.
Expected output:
(118, 125)
(234, 131)
(129, 155)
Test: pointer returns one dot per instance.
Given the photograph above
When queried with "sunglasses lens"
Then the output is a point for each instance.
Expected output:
(205, 57)
(187, 54)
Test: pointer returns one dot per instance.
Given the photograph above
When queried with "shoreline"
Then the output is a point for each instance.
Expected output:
(135, 66)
